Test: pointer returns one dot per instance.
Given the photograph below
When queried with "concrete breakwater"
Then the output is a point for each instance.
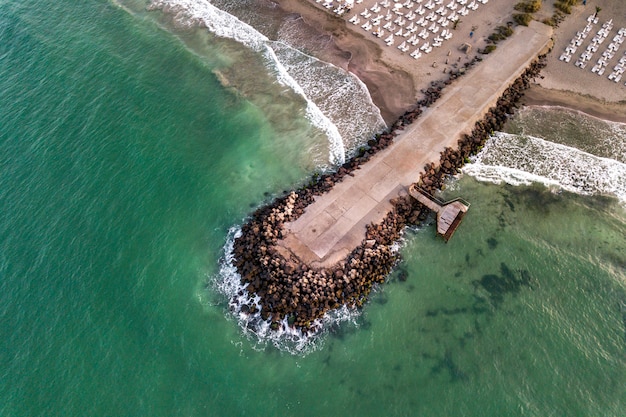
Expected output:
(288, 288)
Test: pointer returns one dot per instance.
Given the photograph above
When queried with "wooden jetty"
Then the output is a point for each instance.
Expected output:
(449, 213)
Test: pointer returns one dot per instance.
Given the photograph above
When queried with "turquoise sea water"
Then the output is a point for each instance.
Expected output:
(124, 163)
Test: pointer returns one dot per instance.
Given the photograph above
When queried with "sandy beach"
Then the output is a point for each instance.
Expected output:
(593, 106)
(395, 79)
(565, 85)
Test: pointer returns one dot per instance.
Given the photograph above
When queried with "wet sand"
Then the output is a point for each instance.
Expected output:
(612, 111)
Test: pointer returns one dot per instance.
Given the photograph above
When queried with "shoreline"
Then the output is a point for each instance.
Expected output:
(391, 88)
(538, 96)
(395, 84)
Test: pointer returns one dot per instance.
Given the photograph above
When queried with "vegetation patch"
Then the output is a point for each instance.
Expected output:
(555, 20)
(489, 49)
(522, 18)
(529, 6)
(565, 6)
(501, 33)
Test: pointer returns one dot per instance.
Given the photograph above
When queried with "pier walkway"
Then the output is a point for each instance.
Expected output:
(335, 224)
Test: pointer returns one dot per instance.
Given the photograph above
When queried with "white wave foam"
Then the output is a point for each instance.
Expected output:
(219, 22)
(570, 127)
(338, 93)
(225, 25)
(518, 160)
(314, 114)
(287, 338)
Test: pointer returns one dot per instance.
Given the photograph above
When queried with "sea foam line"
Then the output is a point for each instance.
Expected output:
(314, 114)
(225, 25)
(521, 160)
(608, 137)
(338, 93)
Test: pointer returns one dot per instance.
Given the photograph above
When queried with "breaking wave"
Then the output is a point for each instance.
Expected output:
(329, 91)
(572, 128)
(521, 160)
(286, 338)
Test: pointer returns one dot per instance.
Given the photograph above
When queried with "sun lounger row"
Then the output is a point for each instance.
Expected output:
(410, 9)
(566, 56)
(618, 70)
(602, 63)
(593, 18)
(434, 2)
(414, 39)
(339, 7)
(598, 39)
(402, 23)
(576, 41)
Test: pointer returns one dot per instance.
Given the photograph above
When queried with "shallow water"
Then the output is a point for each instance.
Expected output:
(573, 129)
(125, 163)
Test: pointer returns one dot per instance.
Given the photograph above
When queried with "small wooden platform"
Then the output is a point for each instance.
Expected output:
(449, 213)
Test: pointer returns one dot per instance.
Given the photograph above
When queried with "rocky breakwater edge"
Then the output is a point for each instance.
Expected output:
(282, 294)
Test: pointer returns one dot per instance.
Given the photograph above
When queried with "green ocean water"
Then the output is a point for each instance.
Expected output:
(124, 164)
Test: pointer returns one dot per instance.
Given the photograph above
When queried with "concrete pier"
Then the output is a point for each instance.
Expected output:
(335, 223)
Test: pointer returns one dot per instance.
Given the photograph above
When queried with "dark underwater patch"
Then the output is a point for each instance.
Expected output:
(381, 298)
(402, 274)
(508, 282)
(507, 273)
(365, 324)
(508, 202)
(446, 311)
(448, 364)
(495, 286)
(622, 308)
(538, 198)
(480, 305)
(502, 221)
(341, 330)
(463, 339)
